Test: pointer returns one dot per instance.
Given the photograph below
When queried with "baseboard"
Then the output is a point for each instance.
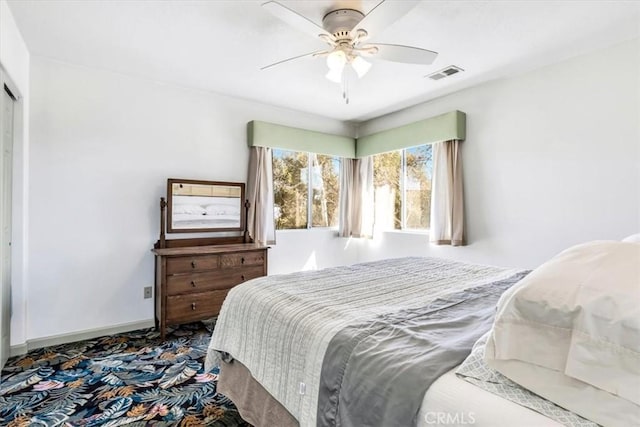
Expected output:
(18, 350)
(87, 334)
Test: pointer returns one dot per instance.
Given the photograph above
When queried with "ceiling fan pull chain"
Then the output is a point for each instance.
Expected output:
(345, 87)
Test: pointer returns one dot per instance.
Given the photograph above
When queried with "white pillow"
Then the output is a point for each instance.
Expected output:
(188, 209)
(579, 316)
(634, 238)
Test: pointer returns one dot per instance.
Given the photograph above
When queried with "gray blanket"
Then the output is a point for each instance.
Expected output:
(376, 373)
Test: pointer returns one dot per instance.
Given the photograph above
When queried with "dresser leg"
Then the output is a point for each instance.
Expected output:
(162, 326)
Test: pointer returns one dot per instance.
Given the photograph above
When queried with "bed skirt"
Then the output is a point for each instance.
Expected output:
(255, 405)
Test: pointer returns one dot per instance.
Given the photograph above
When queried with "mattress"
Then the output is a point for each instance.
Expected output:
(449, 401)
(452, 401)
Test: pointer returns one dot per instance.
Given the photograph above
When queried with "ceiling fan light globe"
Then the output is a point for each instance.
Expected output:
(360, 66)
(335, 75)
(336, 60)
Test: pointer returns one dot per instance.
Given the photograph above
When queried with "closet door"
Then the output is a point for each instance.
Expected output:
(6, 144)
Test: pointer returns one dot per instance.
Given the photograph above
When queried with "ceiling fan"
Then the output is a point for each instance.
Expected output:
(345, 31)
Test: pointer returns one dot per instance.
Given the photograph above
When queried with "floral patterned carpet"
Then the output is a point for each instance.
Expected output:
(131, 379)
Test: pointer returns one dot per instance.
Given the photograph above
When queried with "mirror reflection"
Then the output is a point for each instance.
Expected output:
(205, 206)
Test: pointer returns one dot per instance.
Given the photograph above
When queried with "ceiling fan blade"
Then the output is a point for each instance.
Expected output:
(311, 54)
(294, 19)
(400, 53)
(382, 15)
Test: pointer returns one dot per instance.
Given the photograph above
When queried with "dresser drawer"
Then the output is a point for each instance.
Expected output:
(212, 280)
(195, 306)
(187, 264)
(240, 259)
(178, 284)
(240, 275)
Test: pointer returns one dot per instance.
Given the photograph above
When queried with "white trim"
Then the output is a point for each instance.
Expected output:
(310, 189)
(87, 334)
(18, 350)
(20, 193)
(414, 231)
(6, 80)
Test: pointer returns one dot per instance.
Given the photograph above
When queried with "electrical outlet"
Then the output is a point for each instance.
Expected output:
(147, 292)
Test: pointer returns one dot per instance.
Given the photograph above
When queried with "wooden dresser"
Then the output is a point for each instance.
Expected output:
(192, 281)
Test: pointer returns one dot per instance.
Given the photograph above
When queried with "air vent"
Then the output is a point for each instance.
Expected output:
(445, 72)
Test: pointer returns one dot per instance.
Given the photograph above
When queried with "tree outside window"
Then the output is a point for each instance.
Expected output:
(325, 179)
(298, 204)
(290, 189)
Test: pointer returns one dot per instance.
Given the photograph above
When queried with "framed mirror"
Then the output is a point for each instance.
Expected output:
(204, 206)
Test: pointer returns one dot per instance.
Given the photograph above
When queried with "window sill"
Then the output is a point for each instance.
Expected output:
(334, 231)
(409, 232)
(312, 229)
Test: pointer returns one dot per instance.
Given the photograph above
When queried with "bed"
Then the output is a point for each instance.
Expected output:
(371, 344)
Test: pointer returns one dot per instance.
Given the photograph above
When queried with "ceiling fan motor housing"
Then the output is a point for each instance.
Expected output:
(340, 22)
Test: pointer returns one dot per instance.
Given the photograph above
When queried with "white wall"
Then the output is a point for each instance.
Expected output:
(311, 249)
(102, 148)
(14, 60)
(551, 159)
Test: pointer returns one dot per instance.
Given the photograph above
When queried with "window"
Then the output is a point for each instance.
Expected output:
(417, 190)
(387, 168)
(325, 190)
(402, 188)
(298, 204)
(290, 189)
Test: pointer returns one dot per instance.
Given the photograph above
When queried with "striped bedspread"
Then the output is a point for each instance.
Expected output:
(280, 326)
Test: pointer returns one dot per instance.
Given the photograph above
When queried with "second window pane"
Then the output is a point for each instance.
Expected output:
(387, 169)
(418, 187)
(325, 186)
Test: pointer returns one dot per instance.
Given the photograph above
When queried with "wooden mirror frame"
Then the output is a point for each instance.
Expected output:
(216, 189)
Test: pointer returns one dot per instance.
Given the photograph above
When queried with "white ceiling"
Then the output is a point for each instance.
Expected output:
(220, 46)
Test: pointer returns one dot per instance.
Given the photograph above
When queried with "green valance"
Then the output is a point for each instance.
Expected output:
(451, 125)
(264, 134)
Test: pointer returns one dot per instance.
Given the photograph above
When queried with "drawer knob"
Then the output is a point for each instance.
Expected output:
(242, 277)
(193, 283)
(242, 260)
(193, 306)
(193, 264)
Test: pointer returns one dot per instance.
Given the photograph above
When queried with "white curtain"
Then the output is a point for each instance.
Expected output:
(356, 197)
(447, 204)
(260, 221)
